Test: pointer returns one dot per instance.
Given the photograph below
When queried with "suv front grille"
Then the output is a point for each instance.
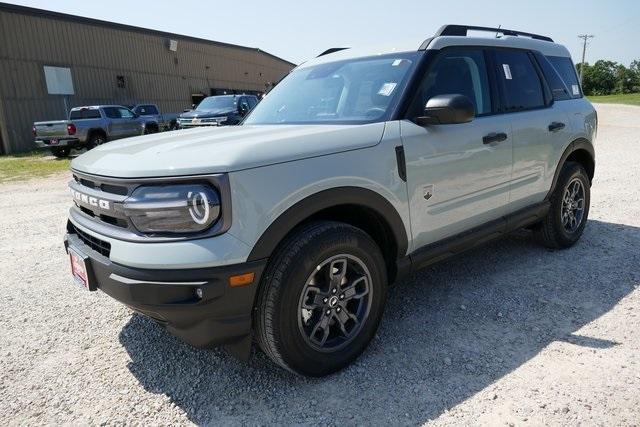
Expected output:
(102, 186)
(100, 246)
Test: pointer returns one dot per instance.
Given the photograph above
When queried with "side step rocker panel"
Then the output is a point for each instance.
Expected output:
(454, 245)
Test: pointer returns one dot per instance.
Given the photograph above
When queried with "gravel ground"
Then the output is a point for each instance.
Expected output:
(507, 334)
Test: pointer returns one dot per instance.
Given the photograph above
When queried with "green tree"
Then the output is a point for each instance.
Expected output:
(634, 68)
(600, 78)
(626, 79)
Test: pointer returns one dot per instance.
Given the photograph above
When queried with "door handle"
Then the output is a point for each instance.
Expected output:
(555, 126)
(494, 137)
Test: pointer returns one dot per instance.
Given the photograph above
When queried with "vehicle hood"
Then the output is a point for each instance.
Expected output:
(222, 149)
(203, 114)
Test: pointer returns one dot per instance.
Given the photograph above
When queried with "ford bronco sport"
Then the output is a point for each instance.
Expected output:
(356, 169)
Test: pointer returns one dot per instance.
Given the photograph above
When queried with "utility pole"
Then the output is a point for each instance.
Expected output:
(584, 38)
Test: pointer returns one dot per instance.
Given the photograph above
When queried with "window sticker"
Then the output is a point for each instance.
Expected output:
(575, 89)
(399, 62)
(507, 71)
(387, 88)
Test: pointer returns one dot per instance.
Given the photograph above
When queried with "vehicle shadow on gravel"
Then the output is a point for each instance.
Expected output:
(448, 333)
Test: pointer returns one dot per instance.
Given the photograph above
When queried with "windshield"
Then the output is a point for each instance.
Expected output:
(354, 91)
(226, 102)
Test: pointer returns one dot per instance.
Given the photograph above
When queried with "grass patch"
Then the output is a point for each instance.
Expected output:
(627, 98)
(18, 167)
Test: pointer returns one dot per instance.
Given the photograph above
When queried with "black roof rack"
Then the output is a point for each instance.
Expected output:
(461, 30)
(331, 50)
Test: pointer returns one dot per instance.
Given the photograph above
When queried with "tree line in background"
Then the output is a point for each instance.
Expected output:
(609, 77)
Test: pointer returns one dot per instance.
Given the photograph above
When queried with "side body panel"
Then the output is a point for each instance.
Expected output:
(535, 148)
(86, 125)
(261, 195)
(469, 180)
(537, 151)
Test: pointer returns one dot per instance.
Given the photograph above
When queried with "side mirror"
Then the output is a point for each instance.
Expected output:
(447, 110)
(242, 109)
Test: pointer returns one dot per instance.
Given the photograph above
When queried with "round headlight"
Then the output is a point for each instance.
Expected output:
(199, 206)
(182, 208)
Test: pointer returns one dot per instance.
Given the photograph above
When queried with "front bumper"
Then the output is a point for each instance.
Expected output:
(222, 316)
(66, 142)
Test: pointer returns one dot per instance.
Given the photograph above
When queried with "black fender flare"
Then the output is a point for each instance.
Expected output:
(324, 199)
(578, 144)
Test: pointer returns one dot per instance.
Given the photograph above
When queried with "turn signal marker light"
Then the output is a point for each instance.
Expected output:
(241, 280)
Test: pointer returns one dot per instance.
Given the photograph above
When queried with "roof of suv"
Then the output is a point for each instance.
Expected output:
(450, 35)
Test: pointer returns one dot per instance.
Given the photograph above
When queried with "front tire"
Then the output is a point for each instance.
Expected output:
(567, 216)
(321, 298)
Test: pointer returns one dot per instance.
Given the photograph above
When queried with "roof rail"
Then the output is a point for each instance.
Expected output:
(331, 50)
(461, 30)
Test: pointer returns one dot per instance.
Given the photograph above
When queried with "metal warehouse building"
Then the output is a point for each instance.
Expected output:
(50, 62)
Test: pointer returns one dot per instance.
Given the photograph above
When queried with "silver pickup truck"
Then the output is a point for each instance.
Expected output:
(155, 120)
(87, 127)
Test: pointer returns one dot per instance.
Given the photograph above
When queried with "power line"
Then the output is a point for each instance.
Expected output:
(584, 37)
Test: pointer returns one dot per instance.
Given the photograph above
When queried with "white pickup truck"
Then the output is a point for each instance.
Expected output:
(88, 127)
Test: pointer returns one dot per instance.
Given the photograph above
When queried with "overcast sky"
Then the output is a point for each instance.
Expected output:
(297, 30)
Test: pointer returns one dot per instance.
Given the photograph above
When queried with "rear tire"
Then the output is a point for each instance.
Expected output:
(301, 323)
(149, 129)
(569, 210)
(61, 152)
(95, 140)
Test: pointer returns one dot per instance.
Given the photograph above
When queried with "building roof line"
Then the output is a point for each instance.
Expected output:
(98, 22)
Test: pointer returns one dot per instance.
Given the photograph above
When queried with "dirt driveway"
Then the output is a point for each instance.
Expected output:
(510, 333)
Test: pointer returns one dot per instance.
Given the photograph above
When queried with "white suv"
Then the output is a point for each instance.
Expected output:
(357, 168)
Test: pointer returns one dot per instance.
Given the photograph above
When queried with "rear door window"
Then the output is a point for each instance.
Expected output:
(146, 110)
(564, 66)
(519, 80)
(111, 112)
(85, 113)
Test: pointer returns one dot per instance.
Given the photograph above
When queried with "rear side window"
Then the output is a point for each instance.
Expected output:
(519, 80)
(85, 113)
(564, 66)
(112, 112)
(146, 110)
(558, 88)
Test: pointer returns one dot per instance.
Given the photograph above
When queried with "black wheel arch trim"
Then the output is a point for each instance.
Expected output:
(578, 144)
(325, 199)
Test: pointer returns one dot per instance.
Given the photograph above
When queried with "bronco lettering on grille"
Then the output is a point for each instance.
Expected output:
(90, 200)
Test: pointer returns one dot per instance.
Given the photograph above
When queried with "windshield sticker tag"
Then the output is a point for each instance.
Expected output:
(507, 71)
(575, 89)
(398, 62)
(387, 89)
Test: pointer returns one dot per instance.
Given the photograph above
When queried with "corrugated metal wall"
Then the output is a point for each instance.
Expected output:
(96, 54)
